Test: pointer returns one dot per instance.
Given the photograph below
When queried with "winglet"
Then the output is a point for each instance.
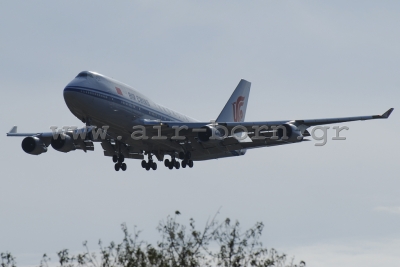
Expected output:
(384, 115)
(387, 113)
(13, 130)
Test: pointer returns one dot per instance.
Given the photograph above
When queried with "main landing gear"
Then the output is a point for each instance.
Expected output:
(150, 164)
(187, 163)
(119, 162)
(173, 163)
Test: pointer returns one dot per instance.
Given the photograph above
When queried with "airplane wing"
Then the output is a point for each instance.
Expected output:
(37, 143)
(196, 135)
(250, 126)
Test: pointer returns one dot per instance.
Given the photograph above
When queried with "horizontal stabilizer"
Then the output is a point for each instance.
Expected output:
(13, 129)
(13, 132)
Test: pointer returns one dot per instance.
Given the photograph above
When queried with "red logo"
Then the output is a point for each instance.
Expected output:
(118, 91)
(237, 109)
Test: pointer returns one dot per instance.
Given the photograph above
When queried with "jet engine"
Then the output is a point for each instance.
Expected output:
(293, 134)
(63, 143)
(33, 145)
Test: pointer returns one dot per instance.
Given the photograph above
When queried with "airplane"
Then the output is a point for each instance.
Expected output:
(133, 126)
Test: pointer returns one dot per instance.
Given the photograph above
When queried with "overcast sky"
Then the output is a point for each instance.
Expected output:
(336, 205)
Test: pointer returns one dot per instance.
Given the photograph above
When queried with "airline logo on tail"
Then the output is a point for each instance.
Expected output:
(237, 109)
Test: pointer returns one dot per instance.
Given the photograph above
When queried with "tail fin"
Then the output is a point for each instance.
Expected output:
(235, 108)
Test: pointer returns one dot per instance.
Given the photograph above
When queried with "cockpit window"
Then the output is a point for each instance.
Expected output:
(83, 74)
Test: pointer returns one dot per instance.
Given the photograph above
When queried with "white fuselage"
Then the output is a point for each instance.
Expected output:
(98, 92)
(102, 101)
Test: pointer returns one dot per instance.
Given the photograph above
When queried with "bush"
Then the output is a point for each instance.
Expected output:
(218, 244)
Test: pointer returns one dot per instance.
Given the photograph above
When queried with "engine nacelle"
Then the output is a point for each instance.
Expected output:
(293, 134)
(33, 145)
(210, 134)
(63, 143)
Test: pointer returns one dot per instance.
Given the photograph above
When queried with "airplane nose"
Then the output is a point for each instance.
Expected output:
(73, 86)
(68, 91)
(71, 91)
(69, 96)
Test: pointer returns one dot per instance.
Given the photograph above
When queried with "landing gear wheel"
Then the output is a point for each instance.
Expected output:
(121, 158)
(170, 166)
(115, 158)
(123, 166)
(181, 155)
(190, 163)
(166, 162)
(177, 165)
(144, 164)
(148, 166)
(154, 166)
(117, 166)
(184, 163)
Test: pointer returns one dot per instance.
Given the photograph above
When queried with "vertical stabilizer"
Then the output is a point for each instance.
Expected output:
(235, 108)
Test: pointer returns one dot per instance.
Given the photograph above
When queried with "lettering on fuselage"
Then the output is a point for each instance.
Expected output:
(142, 101)
(132, 96)
(138, 99)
